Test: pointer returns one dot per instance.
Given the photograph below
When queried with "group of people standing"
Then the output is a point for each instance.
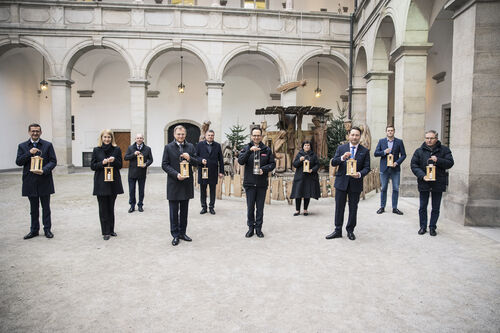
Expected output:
(258, 160)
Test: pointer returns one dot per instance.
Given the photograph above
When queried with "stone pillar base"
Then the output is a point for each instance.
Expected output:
(483, 213)
(408, 188)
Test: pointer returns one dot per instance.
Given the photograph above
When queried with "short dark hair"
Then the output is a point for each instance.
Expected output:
(34, 125)
(307, 142)
(211, 131)
(256, 128)
(357, 129)
(389, 126)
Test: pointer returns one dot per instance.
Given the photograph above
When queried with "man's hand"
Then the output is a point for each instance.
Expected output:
(357, 175)
(180, 177)
(395, 164)
(34, 150)
(387, 151)
(186, 156)
(221, 175)
(425, 178)
(255, 148)
(346, 155)
(137, 153)
(433, 158)
(261, 172)
(204, 161)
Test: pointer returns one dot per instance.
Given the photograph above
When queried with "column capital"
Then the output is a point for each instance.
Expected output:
(377, 75)
(59, 81)
(418, 50)
(134, 82)
(215, 84)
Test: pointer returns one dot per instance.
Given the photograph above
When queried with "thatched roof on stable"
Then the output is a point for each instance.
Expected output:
(304, 110)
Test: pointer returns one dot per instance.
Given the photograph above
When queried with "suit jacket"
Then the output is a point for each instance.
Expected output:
(37, 185)
(398, 150)
(178, 189)
(267, 164)
(101, 187)
(215, 161)
(344, 182)
(134, 172)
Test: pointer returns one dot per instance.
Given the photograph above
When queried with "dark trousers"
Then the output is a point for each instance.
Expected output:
(256, 197)
(178, 217)
(298, 201)
(35, 212)
(107, 213)
(422, 211)
(131, 190)
(340, 201)
(203, 195)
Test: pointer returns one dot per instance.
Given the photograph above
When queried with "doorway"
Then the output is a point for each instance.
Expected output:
(122, 140)
(192, 133)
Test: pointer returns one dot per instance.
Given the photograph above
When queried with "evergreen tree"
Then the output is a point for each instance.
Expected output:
(335, 132)
(236, 138)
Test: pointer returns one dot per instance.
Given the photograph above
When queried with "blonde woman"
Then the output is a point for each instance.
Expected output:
(107, 153)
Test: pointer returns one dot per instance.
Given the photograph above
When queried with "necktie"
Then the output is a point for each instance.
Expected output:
(352, 152)
(35, 144)
(209, 148)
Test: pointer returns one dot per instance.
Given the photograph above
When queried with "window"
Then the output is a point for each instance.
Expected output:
(86, 158)
(257, 4)
(183, 2)
(72, 127)
(445, 124)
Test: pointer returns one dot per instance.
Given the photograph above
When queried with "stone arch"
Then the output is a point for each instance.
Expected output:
(337, 56)
(169, 46)
(181, 121)
(360, 67)
(79, 49)
(268, 53)
(416, 21)
(385, 42)
(8, 44)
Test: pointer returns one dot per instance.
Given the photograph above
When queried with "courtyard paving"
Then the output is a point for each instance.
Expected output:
(389, 280)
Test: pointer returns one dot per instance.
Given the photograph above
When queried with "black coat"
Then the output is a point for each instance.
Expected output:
(267, 164)
(215, 162)
(134, 172)
(101, 187)
(178, 189)
(419, 163)
(344, 182)
(306, 185)
(37, 185)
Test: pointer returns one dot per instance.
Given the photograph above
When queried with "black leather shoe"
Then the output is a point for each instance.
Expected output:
(131, 209)
(203, 211)
(249, 233)
(397, 211)
(105, 237)
(296, 214)
(31, 234)
(380, 210)
(48, 234)
(212, 211)
(351, 236)
(185, 237)
(432, 232)
(114, 234)
(259, 233)
(306, 213)
(175, 241)
(422, 231)
(140, 209)
(335, 234)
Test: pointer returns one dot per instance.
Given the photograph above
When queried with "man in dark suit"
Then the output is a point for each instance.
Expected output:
(179, 188)
(137, 173)
(37, 186)
(210, 154)
(394, 146)
(255, 181)
(349, 186)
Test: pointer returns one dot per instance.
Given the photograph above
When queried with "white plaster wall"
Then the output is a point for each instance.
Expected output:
(438, 60)
(20, 75)
(109, 107)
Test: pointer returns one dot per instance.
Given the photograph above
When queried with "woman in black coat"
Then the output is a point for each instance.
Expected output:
(107, 153)
(305, 184)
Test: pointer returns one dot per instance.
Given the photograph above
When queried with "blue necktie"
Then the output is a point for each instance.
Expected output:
(35, 144)
(352, 152)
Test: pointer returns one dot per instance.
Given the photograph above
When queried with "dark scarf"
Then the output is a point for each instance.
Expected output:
(108, 149)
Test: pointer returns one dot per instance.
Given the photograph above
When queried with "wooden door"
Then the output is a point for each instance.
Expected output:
(122, 139)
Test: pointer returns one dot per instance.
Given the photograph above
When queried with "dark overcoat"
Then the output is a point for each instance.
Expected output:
(306, 185)
(134, 172)
(37, 185)
(267, 164)
(344, 182)
(101, 187)
(419, 163)
(398, 150)
(178, 189)
(215, 162)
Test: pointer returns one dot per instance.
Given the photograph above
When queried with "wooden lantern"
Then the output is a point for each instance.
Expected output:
(352, 167)
(204, 173)
(431, 172)
(256, 163)
(108, 174)
(390, 160)
(36, 164)
(140, 160)
(307, 166)
(184, 169)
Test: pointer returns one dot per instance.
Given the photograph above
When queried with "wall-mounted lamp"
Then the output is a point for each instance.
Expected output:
(317, 92)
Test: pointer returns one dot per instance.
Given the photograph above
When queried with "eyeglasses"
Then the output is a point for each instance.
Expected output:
(256, 135)
(430, 138)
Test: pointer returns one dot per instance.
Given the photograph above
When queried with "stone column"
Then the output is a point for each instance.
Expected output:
(138, 113)
(289, 98)
(214, 103)
(359, 104)
(61, 123)
(409, 105)
(376, 106)
(473, 196)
